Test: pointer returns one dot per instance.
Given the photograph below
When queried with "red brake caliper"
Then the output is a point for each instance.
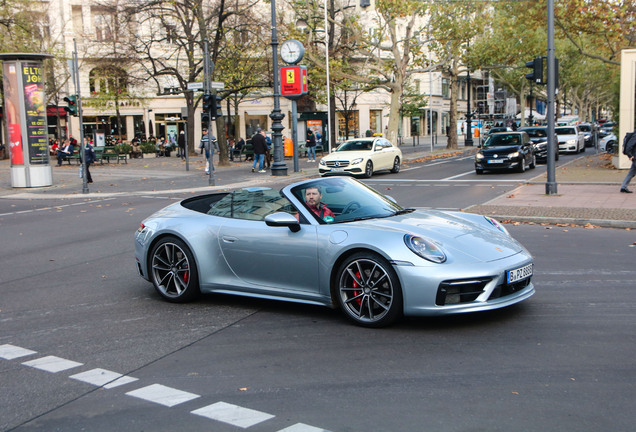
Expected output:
(357, 293)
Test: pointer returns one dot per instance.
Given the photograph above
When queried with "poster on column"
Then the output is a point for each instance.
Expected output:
(35, 111)
(12, 110)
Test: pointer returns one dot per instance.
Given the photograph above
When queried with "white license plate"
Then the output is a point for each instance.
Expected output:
(518, 274)
(337, 169)
(496, 161)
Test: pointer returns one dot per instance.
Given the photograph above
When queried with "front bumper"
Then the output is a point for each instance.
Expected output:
(501, 164)
(422, 289)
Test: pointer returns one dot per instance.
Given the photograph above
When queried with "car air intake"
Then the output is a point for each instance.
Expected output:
(460, 291)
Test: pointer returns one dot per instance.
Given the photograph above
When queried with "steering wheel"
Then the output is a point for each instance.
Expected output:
(351, 207)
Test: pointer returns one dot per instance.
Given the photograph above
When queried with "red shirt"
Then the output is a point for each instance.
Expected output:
(321, 211)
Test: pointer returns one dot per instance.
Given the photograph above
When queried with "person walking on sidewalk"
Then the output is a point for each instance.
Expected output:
(311, 146)
(181, 152)
(89, 154)
(260, 148)
(208, 143)
(629, 150)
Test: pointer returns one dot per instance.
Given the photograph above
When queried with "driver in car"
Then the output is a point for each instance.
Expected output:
(312, 199)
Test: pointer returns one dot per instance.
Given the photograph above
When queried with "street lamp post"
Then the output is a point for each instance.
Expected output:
(468, 142)
(279, 168)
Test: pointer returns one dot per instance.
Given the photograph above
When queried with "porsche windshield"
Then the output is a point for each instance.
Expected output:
(336, 199)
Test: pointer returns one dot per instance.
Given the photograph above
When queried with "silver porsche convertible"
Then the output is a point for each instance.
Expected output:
(333, 242)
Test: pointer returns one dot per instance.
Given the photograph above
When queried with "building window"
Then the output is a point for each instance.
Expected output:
(104, 22)
(375, 121)
(348, 129)
(445, 88)
(78, 19)
(109, 80)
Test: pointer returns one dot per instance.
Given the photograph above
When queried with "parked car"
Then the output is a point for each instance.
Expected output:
(608, 126)
(570, 138)
(505, 151)
(539, 137)
(362, 157)
(373, 259)
(497, 130)
(607, 142)
(588, 130)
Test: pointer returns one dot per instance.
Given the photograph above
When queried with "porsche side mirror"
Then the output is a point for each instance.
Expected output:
(282, 219)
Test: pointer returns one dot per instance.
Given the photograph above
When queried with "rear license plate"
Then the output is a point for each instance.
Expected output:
(518, 274)
(496, 161)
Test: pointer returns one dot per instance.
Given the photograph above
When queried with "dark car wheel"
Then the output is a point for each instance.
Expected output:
(368, 169)
(369, 292)
(396, 165)
(173, 271)
(609, 147)
(522, 165)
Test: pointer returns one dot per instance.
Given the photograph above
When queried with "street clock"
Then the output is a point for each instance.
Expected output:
(292, 51)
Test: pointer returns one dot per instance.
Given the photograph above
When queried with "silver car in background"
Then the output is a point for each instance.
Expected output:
(367, 255)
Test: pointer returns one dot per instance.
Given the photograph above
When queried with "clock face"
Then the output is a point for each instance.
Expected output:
(292, 51)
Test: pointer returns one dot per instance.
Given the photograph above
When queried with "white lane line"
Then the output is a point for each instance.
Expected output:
(458, 175)
(233, 414)
(162, 395)
(101, 377)
(301, 427)
(52, 364)
(10, 352)
(57, 207)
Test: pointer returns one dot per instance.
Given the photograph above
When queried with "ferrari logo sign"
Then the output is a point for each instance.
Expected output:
(293, 81)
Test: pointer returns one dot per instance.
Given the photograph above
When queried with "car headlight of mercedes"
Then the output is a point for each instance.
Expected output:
(425, 248)
(322, 162)
(356, 161)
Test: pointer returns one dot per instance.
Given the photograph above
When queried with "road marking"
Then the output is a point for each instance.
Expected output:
(162, 395)
(301, 427)
(52, 364)
(56, 207)
(233, 414)
(458, 175)
(157, 393)
(103, 378)
(10, 352)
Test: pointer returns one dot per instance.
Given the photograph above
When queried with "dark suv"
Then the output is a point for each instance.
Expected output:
(505, 151)
(539, 137)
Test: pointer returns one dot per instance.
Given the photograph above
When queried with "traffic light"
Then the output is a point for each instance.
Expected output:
(71, 102)
(219, 111)
(536, 75)
(207, 103)
(205, 118)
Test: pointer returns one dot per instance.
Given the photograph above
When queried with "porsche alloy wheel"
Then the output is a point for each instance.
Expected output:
(173, 271)
(369, 291)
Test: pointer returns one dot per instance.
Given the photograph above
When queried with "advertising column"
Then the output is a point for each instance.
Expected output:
(26, 121)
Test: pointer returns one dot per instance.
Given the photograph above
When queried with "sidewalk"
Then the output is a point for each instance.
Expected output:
(587, 188)
(587, 194)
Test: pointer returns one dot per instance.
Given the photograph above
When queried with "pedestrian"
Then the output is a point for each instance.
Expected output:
(182, 145)
(208, 144)
(260, 148)
(268, 152)
(311, 146)
(230, 148)
(64, 152)
(629, 150)
(89, 154)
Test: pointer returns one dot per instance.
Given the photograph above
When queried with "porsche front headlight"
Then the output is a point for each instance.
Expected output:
(424, 248)
(497, 225)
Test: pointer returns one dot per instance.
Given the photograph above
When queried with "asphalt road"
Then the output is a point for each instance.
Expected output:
(563, 360)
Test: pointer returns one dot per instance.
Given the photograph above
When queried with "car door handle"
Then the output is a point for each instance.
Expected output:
(228, 239)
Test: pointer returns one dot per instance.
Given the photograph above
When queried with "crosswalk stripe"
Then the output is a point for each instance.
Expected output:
(233, 414)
